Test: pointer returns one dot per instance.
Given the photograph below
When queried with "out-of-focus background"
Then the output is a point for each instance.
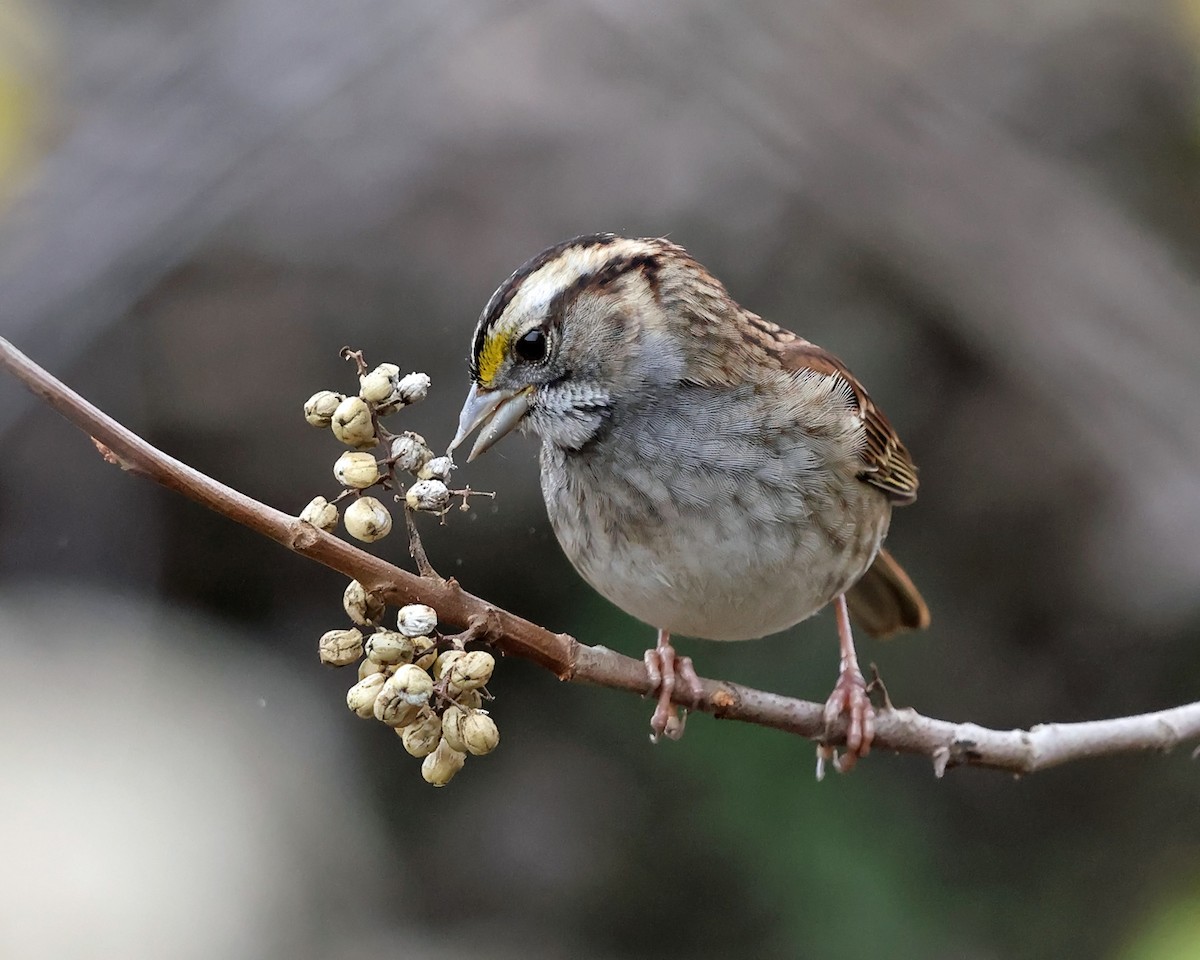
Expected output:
(990, 209)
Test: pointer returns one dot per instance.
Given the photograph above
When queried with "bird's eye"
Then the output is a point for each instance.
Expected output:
(532, 346)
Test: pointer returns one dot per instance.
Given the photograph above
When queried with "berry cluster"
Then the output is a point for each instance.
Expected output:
(427, 687)
(433, 700)
(355, 421)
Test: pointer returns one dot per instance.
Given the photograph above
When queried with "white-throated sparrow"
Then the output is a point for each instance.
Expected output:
(707, 471)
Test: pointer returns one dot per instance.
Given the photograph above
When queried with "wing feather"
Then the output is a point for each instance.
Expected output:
(887, 463)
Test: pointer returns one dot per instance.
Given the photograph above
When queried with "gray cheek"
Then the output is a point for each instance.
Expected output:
(656, 361)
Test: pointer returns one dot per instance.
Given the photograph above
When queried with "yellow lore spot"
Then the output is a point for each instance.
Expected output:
(491, 355)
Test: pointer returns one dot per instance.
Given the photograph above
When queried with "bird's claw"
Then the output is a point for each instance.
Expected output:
(849, 698)
(666, 669)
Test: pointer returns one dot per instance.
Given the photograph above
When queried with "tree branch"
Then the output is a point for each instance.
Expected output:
(904, 731)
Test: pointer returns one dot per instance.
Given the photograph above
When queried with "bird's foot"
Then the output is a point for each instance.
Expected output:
(849, 699)
(666, 669)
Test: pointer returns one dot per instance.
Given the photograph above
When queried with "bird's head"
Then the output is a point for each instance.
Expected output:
(564, 338)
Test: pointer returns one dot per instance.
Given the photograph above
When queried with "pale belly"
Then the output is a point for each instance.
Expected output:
(737, 561)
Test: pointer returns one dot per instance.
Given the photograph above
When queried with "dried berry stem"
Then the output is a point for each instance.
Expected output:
(416, 549)
(946, 744)
(356, 356)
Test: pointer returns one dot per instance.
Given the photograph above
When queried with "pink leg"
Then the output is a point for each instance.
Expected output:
(849, 698)
(664, 667)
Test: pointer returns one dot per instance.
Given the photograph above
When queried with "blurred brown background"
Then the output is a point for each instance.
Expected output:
(989, 209)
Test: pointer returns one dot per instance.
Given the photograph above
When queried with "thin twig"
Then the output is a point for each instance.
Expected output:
(905, 731)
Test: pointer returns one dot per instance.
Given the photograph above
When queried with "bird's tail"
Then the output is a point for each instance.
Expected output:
(885, 601)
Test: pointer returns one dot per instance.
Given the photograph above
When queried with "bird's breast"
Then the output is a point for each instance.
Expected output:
(725, 535)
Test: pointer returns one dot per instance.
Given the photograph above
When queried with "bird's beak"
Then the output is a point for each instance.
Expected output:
(497, 411)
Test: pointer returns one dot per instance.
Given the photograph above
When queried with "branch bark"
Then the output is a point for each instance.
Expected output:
(946, 744)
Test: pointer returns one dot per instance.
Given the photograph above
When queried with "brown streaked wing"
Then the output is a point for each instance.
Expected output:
(887, 462)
